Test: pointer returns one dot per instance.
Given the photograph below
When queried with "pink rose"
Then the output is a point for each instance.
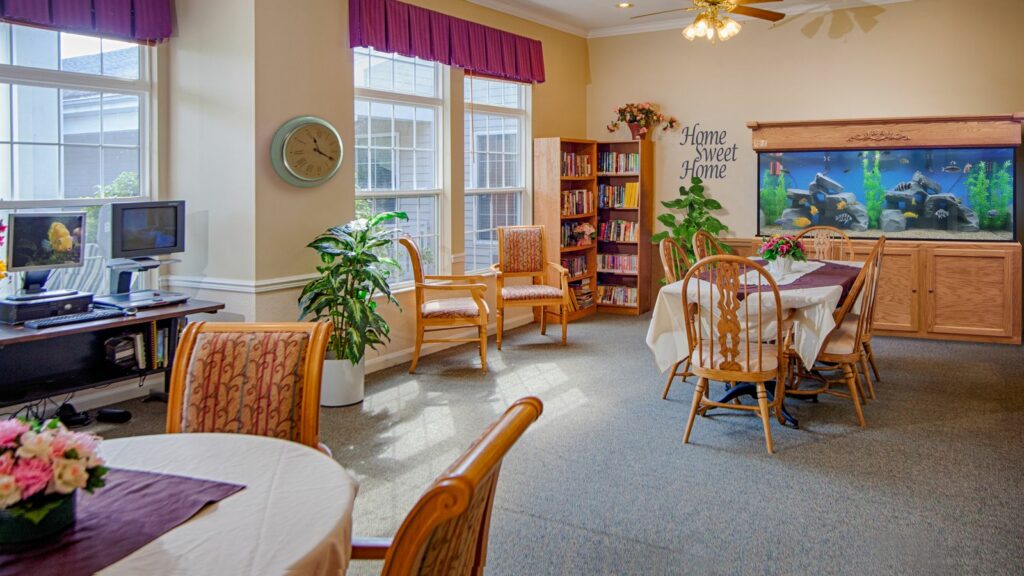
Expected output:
(31, 475)
(6, 463)
(10, 430)
(784, 248)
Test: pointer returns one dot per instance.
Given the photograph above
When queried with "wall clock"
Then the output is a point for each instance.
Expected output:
(306, 151)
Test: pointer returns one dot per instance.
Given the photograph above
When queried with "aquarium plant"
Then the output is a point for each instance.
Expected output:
(874, 191)
(698, 217)
(990, 197)
(773, 196)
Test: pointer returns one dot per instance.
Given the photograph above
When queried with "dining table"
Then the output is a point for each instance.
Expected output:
(293, 516)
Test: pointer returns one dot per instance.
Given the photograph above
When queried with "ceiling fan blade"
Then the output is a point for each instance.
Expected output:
(662, 12)
(758, 13)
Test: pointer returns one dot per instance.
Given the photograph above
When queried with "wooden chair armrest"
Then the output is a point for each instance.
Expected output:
(475, 279)
(370, 548)
(496, 268)
(453, 287)
(558, 268)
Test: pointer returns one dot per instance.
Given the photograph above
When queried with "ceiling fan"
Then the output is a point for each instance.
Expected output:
(711, 24)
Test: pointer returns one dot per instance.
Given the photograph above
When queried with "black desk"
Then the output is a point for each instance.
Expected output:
(35, 364)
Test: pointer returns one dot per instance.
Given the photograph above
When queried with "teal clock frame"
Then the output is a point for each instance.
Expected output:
(277, 151)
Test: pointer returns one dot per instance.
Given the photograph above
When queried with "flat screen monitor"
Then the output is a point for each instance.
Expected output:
(139, 229)
(44, 241)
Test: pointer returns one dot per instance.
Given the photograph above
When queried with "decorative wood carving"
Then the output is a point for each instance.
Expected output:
(878, 136)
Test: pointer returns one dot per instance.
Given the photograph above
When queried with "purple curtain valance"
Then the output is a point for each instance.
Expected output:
(145, 21)
(393, 26)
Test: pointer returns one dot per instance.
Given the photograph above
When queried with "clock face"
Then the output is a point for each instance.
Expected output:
(312, 152)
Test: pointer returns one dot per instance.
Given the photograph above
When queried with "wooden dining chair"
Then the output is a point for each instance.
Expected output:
(826, 243)
(521, 254)
(675, 262)
(736, 324)
(706, 244)
(867, 309)
(447, 313)
(258, 378)
(446, 531)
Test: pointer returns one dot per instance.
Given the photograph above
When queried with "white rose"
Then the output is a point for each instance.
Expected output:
(9, 492)
(35, 445)
(68, 476)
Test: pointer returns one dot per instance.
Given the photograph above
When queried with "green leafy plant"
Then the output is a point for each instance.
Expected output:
(353, 273)
(874, 191)
(698, 216)
(773, 196)
(990, 197)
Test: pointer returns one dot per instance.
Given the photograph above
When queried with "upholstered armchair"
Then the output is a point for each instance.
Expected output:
(521, 254)
(447, 313)
(261, 379)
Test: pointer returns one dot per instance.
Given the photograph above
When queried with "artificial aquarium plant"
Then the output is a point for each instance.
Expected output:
(874, 191)
(352, 274)
(773, 196)
(990, 197)
(698, 217)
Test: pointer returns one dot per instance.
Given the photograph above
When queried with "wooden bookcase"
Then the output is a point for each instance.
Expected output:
(639, 174)
(550, 182)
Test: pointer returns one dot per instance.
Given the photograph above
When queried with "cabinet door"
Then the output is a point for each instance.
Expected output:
(897, 307)
(970, 291)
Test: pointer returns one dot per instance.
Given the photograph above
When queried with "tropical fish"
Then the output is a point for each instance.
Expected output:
(814, 210)
(913, 201)
(967, 168)
(951, 168)
(841, 205)
(801, 222)
(845, 171)
(910, 214)
(775, 168)
(802, 202)
(904, 160)
(844, 218)
(992, 213)
(941, 214)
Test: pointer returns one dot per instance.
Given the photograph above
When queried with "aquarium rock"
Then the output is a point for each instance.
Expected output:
(859, 212)
(931, 186)
(893, 221)
(968, 220)
(825, 184)
(798, 197)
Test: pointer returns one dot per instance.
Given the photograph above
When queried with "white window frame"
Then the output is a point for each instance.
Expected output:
(141, 87)
(525, 115)
(440, 105)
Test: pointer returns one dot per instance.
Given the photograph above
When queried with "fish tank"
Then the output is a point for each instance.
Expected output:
(920, 194)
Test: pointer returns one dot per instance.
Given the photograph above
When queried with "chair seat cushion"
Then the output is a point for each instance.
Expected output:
(769, 359)
(843, 340)
(531, 292)
(452, 308)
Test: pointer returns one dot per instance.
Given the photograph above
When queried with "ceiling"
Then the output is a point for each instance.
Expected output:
(595, 18)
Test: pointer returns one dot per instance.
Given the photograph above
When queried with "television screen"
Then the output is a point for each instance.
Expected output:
(149, 228)
(44, 241)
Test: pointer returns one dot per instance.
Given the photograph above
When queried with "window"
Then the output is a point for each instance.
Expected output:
(496, 129)
(73, 125)
(398, 107)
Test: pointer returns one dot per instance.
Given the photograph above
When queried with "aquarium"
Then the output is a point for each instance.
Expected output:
(923, 194)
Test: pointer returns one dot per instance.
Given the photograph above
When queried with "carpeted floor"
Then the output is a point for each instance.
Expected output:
(602, 484)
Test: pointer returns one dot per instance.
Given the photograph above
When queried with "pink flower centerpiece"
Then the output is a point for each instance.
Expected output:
(780, 251)
(41, 467)
(641, 118)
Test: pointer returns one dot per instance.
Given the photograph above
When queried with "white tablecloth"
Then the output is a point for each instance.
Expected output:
(293, 517)
(812, 317)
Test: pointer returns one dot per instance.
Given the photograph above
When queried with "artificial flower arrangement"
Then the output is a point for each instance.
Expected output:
(782, 246)
(641, 118)
(582, 234)
(42, 464)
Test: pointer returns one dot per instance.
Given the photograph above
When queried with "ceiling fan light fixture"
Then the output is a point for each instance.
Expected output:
(727, 28)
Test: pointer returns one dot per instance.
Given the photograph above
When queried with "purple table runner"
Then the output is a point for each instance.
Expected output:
(830, 274)
(134, 509)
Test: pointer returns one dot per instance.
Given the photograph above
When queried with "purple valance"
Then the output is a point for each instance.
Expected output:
(144, 21)
(393, 26)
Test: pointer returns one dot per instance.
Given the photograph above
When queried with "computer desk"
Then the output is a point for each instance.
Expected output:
(36, 364)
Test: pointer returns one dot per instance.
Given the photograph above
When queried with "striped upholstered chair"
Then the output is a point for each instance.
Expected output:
(261, 379)
(521, 255)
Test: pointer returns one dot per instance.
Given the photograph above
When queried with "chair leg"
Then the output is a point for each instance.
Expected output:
(861, 386)
(671, 377)
(871, 360)
(416, 350)
(697, 395)
(851, 383)
(543, 320)
(564, 318)
(501, 323)
(765, 413)
(483, 347)
(867, 375)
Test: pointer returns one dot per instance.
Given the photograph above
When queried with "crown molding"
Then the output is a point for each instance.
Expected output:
(639, 28)
(532, 15)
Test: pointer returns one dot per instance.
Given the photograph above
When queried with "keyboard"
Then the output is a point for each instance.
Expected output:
(98, 314)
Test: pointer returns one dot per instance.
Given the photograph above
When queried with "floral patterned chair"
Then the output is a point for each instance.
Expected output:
(521, 254)
(261, 379)
(448, 313)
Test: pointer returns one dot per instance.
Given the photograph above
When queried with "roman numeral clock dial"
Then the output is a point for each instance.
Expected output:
(306, 151)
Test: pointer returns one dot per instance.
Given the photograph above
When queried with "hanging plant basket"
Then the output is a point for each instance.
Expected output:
(634, 129)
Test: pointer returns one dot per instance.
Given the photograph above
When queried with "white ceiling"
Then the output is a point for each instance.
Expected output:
(594, 18)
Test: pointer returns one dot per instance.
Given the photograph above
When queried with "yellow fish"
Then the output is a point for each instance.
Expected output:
(801, 222)
(841, 205)
(910, 214)
(814, 209)
(802, 201)
(913, 201)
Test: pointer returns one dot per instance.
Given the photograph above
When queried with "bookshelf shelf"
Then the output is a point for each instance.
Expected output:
(576, 178)
(568, 249)
(578, 216)
(618, 272)
(617, 174)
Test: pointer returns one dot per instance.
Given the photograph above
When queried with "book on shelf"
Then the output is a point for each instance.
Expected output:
(618, 163)
(581, 295)
(620, 263)
(577, 202)
(617, 231)
(627, 196)
(616, 295)
(576, 265)
(575, 165)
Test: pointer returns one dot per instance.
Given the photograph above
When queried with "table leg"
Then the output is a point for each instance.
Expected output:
(749, 389)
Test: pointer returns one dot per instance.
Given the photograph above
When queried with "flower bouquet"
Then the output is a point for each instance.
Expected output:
(780, 251)
(41, 466)
(641, 118)
(581, 234)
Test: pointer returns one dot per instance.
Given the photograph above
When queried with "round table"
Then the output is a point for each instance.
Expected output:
(293, 517)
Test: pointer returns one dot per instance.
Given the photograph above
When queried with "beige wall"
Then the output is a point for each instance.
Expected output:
(909, 59)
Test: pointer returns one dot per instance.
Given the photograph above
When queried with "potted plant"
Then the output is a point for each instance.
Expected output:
(42, 465)
(352, 274)
(641, 119)
(781, 251)
(698, 217)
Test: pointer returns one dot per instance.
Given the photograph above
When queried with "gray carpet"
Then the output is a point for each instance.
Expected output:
(602, 484)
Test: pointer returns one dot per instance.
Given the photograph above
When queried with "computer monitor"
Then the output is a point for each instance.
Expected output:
(38, 242)
(144, 229)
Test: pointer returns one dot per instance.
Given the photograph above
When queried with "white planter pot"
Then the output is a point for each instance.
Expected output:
(341, 383)
(780, 266)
